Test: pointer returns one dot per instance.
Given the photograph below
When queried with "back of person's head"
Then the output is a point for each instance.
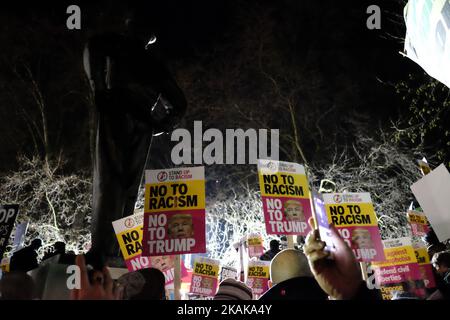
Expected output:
(145, 284)
(431, 238)
(289, 264)
(17, 286)
(435, 248)
(231, 289)
(442, 259)
(60, 247)
(275, 245)
(36, 243)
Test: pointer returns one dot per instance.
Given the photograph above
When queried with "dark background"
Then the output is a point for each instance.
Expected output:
(319, 52)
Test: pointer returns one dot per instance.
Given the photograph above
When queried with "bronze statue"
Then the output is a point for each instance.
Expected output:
(128, 81)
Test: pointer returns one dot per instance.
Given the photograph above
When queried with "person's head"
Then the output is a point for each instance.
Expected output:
(274, 245)
(362, 239)
(36, 244)
(17, 286)
(180, 226)
(435, 248)
(441, 262)
(293, 210)
(145, 284)
(231, 289)
(431, 238)
(60, 247)
(162, 263)
(289, 264)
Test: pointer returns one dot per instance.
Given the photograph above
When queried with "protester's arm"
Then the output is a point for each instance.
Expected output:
(339, 276)
(100, 288)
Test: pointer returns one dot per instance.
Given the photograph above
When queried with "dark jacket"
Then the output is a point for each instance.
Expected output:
(301, 288)
(269, 255)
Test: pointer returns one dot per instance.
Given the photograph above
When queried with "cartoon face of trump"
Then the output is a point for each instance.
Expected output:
(293, 210)
(362, 239)
(162, 263)
(258, 283)
(207, 283)
(180, 226)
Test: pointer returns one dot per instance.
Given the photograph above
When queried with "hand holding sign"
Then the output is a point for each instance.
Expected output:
(341, 277)
(100, 288)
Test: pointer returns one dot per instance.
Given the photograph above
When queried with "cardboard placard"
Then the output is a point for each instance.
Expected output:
(286, 197)
(174, 218)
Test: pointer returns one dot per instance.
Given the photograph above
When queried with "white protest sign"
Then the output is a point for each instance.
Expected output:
(427, 38)
(433, 193)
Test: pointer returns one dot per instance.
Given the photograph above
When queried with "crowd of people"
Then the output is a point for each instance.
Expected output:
(309, 273)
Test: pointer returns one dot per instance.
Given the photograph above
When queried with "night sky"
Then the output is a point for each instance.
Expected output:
(320, 52)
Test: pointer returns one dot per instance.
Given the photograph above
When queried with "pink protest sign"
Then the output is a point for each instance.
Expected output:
(258, 276)
(400, 271)
(418, 222)
(174, 212)
(425, 267)
(285, 195)
(205, 277)
(167, 266)
(255, 245)
(354, 217)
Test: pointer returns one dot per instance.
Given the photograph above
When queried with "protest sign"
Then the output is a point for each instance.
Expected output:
(205, 277)
(285, 195)
(400, 271)
(174, 212)
(354, 217)
(255, 245)
(8, 215)
(19, 236)
(425, 266)
(129, 235)
(4, 264)
(426, 41)
(418, 223)
(258, 275)
(228, 272)
(167, 266)
(433, 193)
(320, 214)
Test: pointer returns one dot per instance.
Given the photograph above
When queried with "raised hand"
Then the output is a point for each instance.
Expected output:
(337, 273)
(100, 288)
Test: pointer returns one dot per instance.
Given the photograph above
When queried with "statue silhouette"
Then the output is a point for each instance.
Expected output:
(129, 81)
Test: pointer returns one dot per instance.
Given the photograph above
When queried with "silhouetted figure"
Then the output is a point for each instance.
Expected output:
(59, 255)
(26, 259)
(59, 248)
(128, 81)
(274, 249)
(441, 265)
(433, 243)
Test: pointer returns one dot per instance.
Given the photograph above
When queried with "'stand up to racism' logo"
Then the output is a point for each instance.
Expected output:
(271, 166)
(162, 176)
(129, 223)
(337, 198)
